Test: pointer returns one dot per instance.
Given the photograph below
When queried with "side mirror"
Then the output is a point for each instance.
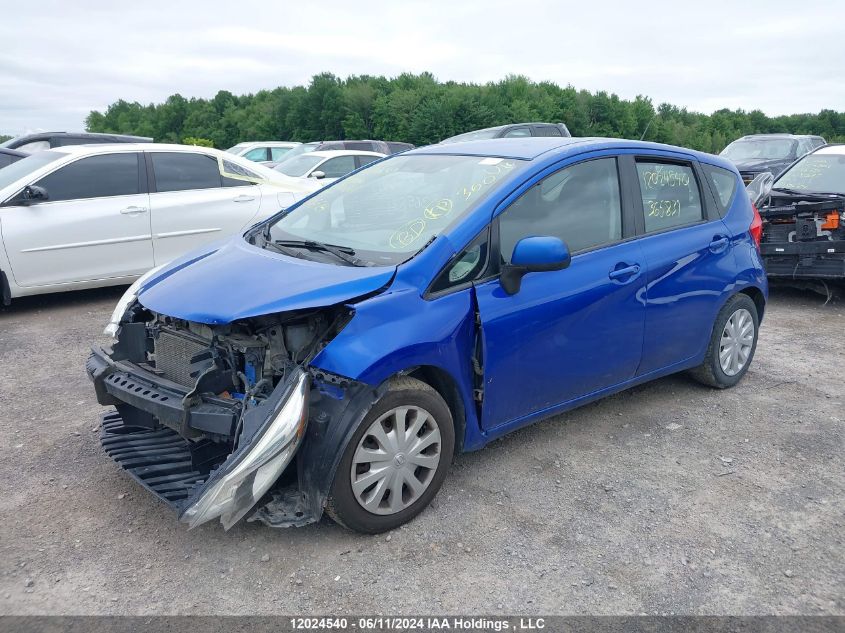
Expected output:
(33, 194)
(317, 174)
(534, 254)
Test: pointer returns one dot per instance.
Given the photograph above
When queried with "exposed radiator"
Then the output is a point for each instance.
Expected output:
(173, 356)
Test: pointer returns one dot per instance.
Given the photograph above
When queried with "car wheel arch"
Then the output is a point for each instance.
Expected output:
(758, 298)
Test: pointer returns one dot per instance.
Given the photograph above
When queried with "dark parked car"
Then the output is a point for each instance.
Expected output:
(382, 147)
(804, 219)
(47, 140)
(514, 130)
(758, 153)
(9, 156)
(336, 356)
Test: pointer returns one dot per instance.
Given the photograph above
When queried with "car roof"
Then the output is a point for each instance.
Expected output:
(836, 149)
(268, 144)
(100, 148)
(36, 136)
(531, 147)
(783, 135)
(331, 153)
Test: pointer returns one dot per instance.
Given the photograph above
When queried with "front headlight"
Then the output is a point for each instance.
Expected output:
(127, 300)
(243, 481)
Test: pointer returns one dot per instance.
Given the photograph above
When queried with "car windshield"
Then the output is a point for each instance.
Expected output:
(390, 210)
(21, 168)
(815, 173)
(299, 165)
(760, 149)
(477, 135)
(8, 142)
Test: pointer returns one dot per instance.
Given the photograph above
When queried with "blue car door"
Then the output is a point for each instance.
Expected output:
(689, 261)
(567, 333)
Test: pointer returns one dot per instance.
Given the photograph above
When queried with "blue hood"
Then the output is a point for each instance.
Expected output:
(237, 280)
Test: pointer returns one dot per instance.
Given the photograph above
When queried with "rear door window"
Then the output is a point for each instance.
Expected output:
(94, 177)
(670, 195)
(182, 171)
(257, 154)
(337, 167)
(547, 130)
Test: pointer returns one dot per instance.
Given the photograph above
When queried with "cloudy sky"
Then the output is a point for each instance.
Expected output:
(62, 59)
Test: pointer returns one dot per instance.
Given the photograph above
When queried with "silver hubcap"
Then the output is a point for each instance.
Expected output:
(395, 460)
(737, 340)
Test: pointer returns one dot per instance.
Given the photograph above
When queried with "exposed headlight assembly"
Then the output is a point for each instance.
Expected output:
(127, 300)
(248, 473)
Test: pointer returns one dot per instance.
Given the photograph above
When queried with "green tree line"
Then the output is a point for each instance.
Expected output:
(419, 109)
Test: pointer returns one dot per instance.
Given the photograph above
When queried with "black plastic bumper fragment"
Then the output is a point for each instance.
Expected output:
(119, 383)
(160, 460)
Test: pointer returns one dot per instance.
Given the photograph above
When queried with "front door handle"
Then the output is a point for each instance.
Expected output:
(133, 210)
(719, 243)
(625, 273)
(243, 198)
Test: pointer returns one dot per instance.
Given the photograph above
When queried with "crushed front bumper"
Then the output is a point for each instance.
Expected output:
(199, 478)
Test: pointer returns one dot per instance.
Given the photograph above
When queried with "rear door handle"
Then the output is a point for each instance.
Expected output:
(620, 274)
(133, 210)
(243, 198)
(719, 243)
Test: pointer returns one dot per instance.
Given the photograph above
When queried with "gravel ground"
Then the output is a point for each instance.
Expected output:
(668, 498)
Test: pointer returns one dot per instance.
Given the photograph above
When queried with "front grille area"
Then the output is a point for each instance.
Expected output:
(174, 353)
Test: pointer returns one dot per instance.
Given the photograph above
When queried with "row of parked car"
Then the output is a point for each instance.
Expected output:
(86, 209)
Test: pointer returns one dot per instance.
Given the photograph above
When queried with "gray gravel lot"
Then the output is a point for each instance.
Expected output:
(669, 498)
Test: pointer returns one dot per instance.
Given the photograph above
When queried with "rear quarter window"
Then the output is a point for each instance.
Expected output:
(723, 183)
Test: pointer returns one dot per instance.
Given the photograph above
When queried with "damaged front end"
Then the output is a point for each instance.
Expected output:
(804, 237)
(209, 417)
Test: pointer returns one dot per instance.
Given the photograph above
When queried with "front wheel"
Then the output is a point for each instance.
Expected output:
(732, 344)
(396, 460)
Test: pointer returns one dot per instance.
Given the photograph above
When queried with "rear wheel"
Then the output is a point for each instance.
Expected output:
(396, 461)
(732, 344)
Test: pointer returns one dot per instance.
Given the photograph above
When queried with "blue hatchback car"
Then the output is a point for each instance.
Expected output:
(336, 357)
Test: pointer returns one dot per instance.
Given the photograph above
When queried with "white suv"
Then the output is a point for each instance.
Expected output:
(100, 215)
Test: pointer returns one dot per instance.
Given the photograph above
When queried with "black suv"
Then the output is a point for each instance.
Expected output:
(514, 130)
(47, 140)
(758, 153)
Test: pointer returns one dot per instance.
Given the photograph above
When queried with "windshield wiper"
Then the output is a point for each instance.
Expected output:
(343, 253)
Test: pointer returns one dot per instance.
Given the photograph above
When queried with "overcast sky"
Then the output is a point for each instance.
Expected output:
(62, 59)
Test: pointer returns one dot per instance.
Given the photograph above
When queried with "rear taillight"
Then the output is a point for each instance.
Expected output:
(756, 228)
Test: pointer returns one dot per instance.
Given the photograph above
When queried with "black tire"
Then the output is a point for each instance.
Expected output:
(342, 505)
(710, 372)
